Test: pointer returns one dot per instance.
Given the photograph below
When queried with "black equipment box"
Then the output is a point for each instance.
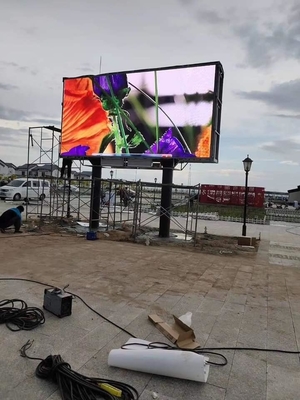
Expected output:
(58, 302)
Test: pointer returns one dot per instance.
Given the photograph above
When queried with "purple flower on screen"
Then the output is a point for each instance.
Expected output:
(168, 144)
(106, 86)
(78, 151)
(118, 82)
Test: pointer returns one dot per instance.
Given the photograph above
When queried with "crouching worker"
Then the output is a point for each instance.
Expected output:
(11, 217)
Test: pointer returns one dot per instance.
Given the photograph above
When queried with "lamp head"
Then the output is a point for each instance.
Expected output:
(247, 163)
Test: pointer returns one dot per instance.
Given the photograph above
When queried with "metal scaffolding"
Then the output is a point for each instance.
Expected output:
(44, 165)
(134, 203)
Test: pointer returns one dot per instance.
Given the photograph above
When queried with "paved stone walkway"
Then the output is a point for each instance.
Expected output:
(236, 301)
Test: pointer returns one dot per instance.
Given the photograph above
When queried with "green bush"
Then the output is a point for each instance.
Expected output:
(224, 210)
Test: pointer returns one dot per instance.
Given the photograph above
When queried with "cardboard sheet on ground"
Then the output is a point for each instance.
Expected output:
(178, 333)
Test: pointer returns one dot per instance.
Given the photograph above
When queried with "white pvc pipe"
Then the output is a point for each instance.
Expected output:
(173, 363)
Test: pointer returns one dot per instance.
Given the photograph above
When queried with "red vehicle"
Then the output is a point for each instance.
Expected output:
(232, 195)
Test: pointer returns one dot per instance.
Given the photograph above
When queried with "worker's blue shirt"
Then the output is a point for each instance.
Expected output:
(17, 211)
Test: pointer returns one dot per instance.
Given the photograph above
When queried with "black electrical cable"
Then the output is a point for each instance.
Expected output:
(166, 346)
(76, 296)
(207, 350)
(22, 318)
(102, 316)
(75, 386)
(203, 350)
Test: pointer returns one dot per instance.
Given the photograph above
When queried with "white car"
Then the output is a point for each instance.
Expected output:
(21, 189)
(73, 189)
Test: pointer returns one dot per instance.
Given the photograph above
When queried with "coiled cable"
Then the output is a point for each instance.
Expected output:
(75, 386)
(17, 316)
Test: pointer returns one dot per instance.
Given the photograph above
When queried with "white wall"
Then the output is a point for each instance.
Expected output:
(55, 173)
(21, 173)
(294, 196)
(11, 171)
(3, 170)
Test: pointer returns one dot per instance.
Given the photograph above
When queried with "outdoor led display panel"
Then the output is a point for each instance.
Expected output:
(164, 113)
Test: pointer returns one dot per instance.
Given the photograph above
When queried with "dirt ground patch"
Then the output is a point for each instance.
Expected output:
(204, 242)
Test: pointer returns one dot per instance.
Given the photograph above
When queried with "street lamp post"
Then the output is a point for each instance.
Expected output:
(155, 180)
(247, 167)
(110, 188)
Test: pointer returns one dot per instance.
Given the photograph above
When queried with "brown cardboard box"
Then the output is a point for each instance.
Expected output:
(179, 333)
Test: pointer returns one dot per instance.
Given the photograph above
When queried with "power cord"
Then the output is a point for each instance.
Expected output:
(207, 350)
(22, 318)
(75, 296)
(166, 346)
(203, 350)
(75, 386)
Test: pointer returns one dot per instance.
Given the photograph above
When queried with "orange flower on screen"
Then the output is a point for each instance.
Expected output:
(204, 142)
(84, 121)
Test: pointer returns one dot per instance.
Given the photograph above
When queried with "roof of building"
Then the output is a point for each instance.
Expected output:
(294, 190)
(46, 167)
(39, 167)
(26, 166)
(11, 165)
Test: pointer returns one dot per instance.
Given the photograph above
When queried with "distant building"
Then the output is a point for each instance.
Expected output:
(276, 196)
(46, 170)
(7, 169)
(3, 168)
(11, 168)
(294, 195)
(83, 175)
(22, 170)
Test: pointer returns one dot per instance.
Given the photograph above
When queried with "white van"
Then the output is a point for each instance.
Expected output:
(21, 189)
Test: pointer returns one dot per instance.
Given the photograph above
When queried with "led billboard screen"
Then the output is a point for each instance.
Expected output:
(165, 113)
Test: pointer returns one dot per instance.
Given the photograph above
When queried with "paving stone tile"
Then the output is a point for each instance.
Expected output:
(31, 388)
(203, 391)
(235, 307)
(248, 380)
(148, 395)
(211, 306)
(282, 383)
(226, 329)
(237, 298)
(188, 302)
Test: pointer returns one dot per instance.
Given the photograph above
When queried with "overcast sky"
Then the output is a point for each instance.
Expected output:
(257, 42)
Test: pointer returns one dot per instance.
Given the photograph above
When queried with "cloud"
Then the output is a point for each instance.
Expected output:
(7, 86)
(282, 95)
(44, 122)
(14, 145)
(12, 139)
(289, 162)
(6, 133)
(295, 116)
(9, 64)
(283, 146)
(207, 16)
(269, 42)
(31, 31)
(86, 68)
(19, 68)
(229, 172)
(211, 17)
(10, 114)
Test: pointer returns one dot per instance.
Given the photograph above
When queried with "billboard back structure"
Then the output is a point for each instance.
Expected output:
(172, 112)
